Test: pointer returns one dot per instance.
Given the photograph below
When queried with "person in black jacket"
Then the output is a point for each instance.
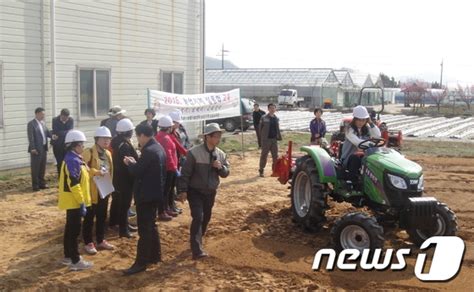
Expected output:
(150, 121)
(122, 179)
(38, 135)
(257, 115)
(150, 175)
(61, 125)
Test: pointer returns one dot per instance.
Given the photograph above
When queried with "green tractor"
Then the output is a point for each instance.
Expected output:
(391, 187)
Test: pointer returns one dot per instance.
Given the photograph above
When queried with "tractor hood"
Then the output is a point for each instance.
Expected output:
(387, 159)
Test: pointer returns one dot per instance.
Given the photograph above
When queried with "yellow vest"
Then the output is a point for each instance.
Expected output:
(72, 197)
(91, 158)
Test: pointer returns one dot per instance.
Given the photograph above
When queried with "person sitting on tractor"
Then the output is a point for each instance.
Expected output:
(361, 128)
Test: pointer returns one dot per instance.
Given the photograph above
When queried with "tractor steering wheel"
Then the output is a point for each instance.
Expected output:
(371, 143)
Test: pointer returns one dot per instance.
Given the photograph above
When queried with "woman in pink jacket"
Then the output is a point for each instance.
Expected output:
(163, 137)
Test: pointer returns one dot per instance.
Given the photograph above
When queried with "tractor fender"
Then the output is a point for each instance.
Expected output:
(324, 163)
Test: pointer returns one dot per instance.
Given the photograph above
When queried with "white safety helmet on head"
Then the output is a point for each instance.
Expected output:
(165, 122)
(176, 116)
(75, 136)
(102, 132)
(124, 125)
(360, 112)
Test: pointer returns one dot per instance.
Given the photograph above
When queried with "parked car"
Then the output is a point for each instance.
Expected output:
(232, 123)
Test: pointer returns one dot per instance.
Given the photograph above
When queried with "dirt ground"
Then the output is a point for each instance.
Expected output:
(252, 241)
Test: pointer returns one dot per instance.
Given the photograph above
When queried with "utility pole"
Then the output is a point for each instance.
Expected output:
(441, 78)
(222, 54)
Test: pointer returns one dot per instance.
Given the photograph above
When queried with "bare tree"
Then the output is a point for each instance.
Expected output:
(414, 91)
(466, 95)
(438, 96)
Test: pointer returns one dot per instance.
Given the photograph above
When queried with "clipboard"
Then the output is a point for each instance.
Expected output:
(104, 185)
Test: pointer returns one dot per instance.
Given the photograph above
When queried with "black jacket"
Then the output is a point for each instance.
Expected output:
(149, 173)
(154, 125)
(60, 129)
(256, 116)
(122, 179)
(35, 139)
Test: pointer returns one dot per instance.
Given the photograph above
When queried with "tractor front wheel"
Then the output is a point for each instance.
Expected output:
(357, 231)
(446, 225)
(307, 200)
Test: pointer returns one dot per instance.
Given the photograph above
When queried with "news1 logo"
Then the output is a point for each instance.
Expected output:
(445, 264)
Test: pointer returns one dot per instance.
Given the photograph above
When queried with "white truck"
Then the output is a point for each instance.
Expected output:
(289, 97)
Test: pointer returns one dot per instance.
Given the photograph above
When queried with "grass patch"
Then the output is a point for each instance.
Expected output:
(6, 177)
(438, 148)
(232, 144)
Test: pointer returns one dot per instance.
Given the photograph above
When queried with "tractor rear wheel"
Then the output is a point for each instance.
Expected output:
(446, 225)
(357, 231)
(308, 203)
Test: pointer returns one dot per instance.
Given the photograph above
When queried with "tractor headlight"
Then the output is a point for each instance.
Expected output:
(397, 181)
(421, 184)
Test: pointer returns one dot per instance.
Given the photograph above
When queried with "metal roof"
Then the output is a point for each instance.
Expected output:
(362, 79)
(272, 77)
(344, 78)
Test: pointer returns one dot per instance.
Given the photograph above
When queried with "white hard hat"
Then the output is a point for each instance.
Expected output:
(165, 122)
(360, 112)
(75, 136)
(176, 116)
(102, 132)
(124, 125)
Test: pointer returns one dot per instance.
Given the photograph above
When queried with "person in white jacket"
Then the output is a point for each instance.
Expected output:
(361, 128)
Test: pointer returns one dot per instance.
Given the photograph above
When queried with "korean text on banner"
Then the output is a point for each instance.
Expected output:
(197, 107)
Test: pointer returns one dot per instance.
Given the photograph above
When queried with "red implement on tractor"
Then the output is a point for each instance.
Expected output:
(393, 138)
(283, 166)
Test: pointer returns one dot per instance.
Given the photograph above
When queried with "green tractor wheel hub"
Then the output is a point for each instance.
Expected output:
(354, 236)
(303, 194)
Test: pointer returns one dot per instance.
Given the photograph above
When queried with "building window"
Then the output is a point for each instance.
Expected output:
(1, 95)
(94, 92)
(172, 82)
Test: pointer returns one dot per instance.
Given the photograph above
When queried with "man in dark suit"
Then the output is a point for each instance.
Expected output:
(150, 174)
(61, 125)
(38, 135)
(257, 115)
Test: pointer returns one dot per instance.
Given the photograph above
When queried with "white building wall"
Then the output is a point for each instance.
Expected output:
(136, 40)
(20, 55)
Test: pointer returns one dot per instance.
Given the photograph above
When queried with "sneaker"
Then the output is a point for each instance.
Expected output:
(104, 245)
(68, 261)
(260, 173)
(200, 256)
(132, 228)
(90, 248)
(164, 217)
(80, 265)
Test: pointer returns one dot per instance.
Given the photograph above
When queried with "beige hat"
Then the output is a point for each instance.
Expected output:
(116, 110)
(211, 128)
